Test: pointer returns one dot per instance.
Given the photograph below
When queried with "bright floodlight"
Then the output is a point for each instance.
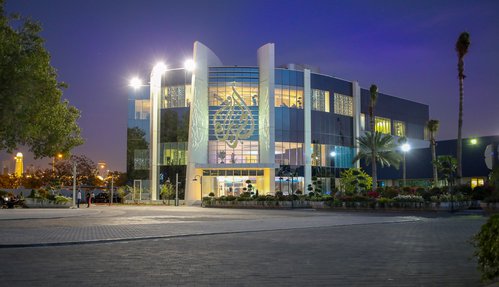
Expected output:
(135, 83)
(160, 68)
(333, 154)
(473, 141)
(189, 65)
(406, 147)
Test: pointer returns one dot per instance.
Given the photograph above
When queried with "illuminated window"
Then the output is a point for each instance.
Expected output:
(343, 105)
(173, 153)
(320, 100)
(362, 122)
(399, 128)
(289, 153)
(142, 109)
(220, 153)
(476, 182)
(174, 97)
(382, 125)
(288, 96)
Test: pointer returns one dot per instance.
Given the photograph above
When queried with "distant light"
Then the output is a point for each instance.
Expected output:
(473, 141)
(406, 147)
(135, 83)
(160, 68)
(189, 65)
(333, 154)
(19, 154)
(59, 155)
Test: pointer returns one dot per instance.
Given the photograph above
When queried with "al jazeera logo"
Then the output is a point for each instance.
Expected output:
(233, 121)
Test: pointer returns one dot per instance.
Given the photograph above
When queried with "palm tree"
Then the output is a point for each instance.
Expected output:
(462, 44)
(377, 148)
(373, 90)
(432, 126)
(447, 166)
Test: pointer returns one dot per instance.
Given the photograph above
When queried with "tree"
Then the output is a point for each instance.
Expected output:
(352, 179)
(373, 90)
(462, 44)
(447, 166)
(432, 126)
(86, 170)
(379, 148)
(32, 112)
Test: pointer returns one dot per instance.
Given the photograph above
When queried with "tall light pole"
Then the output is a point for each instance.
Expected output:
(155, 84)
(110, 174)
(405, 148)
(333, 157)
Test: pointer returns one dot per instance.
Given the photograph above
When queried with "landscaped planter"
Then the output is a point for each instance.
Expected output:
(490, 207)
(45, 203)
(353, 205)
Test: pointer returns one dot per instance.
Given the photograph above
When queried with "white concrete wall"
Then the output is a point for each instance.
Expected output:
(199, 120)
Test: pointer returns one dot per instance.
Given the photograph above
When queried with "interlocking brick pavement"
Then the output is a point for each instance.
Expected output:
(316, 249)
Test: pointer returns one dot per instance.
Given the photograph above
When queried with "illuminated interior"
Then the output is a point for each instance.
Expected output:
(382, 125)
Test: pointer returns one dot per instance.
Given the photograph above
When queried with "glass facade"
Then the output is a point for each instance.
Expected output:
(233, 112)
(382, 125)
(320, 100)
(398, 128)
(288, 91)
(343, 105)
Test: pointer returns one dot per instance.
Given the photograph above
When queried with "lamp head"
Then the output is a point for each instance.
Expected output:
(189, 65)
(406, 147)
(135, 83)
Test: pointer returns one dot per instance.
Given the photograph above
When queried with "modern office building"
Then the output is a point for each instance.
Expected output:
(480, 155)
(276, 127)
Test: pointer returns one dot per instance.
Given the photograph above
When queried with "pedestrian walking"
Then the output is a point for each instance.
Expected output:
(88, 197)
(78, 198)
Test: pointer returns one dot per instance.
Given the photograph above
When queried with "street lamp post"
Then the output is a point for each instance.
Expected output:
(110, 174)
(333, 157)
(155, 110)
(405, 148)
(200, 178)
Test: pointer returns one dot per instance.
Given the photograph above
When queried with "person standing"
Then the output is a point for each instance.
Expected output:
(88, 197)
(78, 198)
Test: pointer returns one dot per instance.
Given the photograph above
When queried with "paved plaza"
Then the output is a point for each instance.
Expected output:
(193, 246)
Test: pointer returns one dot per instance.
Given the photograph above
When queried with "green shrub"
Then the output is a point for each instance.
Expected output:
(278, 194)
(360, 198)
(211, 194)
(494, 197)
(481, 192)
(390, 192)
(311, 194)
(407, 190)
(486, 243)
(59, 199)
(408, 198)
(420, 191)
(230, 198)
(384, 200)
(435, 191)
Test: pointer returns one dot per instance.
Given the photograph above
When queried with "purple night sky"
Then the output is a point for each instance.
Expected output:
(405, 47)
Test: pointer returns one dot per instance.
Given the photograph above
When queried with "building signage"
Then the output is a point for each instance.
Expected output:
(233, 121)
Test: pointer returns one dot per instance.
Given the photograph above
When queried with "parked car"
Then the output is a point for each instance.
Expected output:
(101, 198)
